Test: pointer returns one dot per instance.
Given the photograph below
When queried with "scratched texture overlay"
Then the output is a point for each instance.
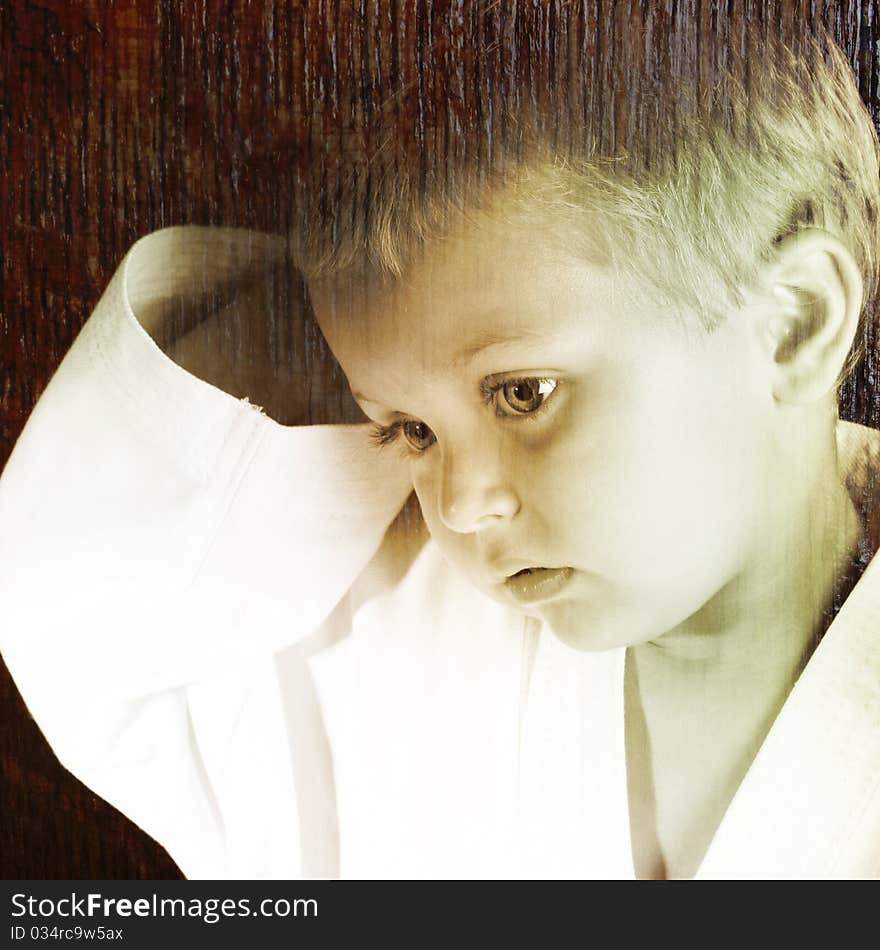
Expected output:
(117, 118)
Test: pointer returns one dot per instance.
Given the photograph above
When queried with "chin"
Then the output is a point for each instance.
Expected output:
(591, 627)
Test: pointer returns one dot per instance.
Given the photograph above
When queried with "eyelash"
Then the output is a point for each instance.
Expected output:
(384, 435)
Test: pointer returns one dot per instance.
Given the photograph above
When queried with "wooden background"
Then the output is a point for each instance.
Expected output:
(117, 118)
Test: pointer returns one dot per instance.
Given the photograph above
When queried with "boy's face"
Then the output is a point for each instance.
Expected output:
(577, 451)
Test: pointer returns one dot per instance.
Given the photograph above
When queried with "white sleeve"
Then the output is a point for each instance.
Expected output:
(157, 535)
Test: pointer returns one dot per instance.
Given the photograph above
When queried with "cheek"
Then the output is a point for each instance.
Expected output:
(426, 489)
(669, 476)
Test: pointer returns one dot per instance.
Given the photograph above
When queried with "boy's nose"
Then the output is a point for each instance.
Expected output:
(476, 492)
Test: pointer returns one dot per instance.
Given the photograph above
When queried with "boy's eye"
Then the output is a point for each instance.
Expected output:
(524, 395)
(419, 436)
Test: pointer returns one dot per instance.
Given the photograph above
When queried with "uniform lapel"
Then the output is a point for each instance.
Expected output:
(809, 806)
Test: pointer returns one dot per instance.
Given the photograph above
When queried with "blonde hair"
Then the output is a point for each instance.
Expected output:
(685, 162)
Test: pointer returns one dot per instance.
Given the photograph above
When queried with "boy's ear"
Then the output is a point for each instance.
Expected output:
(815, 298)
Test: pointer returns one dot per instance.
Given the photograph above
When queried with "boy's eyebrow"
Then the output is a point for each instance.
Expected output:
(483, 341)
(489, 339)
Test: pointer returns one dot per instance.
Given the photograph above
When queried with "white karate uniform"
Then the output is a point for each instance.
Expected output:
(212, 622)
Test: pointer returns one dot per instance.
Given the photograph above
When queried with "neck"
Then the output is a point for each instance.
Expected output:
(764, 625)
(702, 697)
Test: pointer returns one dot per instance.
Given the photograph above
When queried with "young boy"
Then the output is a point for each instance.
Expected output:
(611, 384)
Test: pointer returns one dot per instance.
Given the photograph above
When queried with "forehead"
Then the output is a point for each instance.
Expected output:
(489, 285)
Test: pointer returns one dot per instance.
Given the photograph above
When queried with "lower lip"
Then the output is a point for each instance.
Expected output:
(538, 586)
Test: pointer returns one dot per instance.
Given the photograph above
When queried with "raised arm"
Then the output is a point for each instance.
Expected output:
(161, 539)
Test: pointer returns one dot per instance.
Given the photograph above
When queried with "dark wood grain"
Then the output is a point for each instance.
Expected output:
(117, 118)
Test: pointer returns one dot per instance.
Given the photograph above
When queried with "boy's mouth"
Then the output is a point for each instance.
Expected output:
(533, 585)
